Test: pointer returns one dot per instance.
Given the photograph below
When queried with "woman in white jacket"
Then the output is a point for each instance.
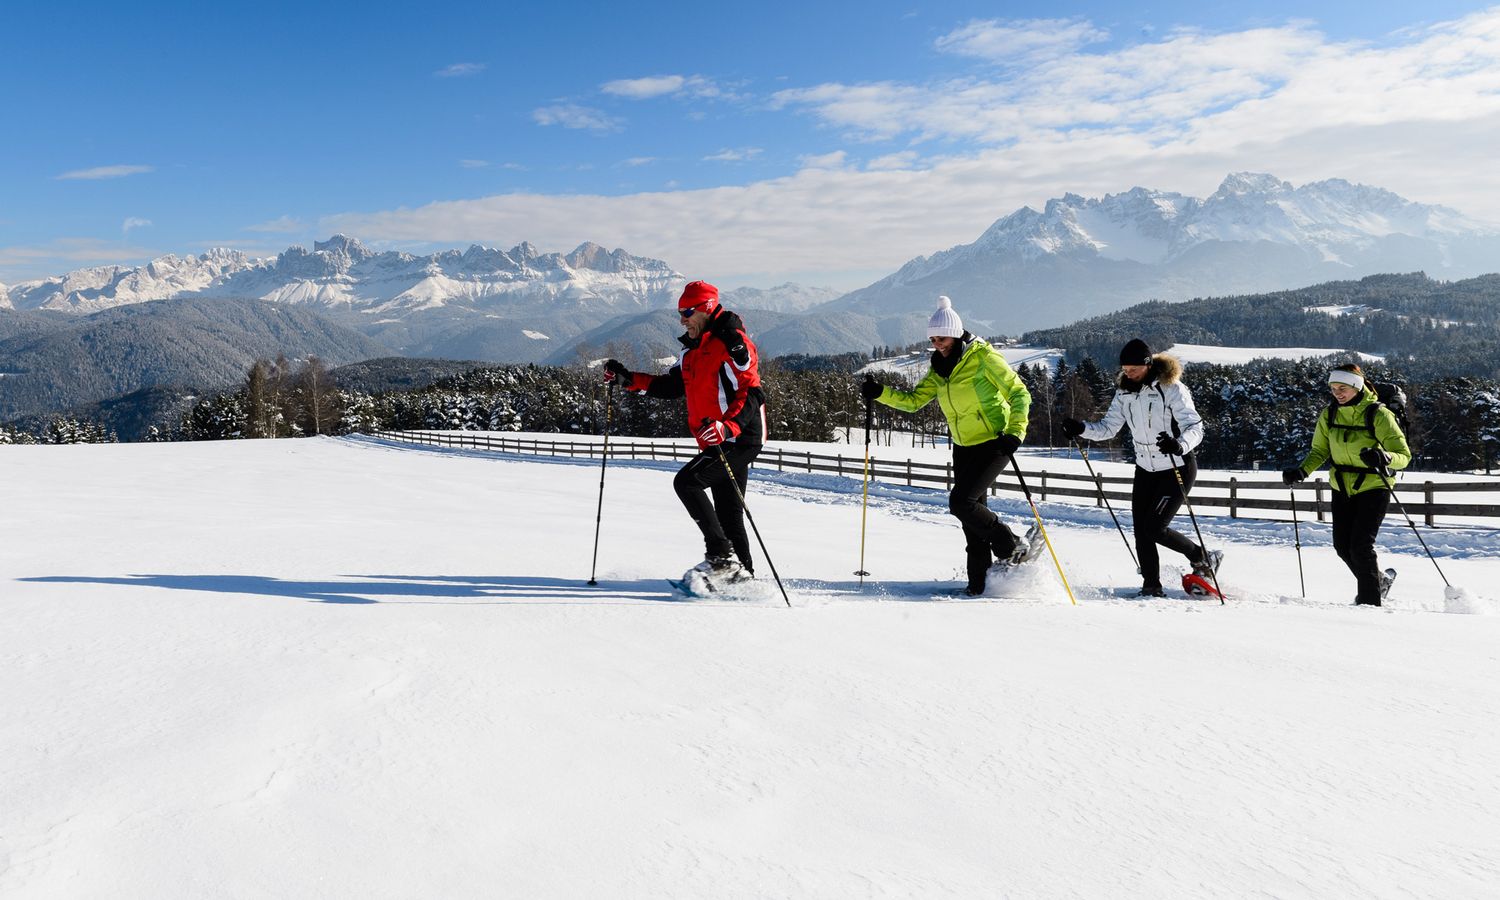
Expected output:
(1165, 428)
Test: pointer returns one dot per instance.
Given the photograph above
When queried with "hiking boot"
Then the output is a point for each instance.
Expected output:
(1208, 567)
(1151, 590)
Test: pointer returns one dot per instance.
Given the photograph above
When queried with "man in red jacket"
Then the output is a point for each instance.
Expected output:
(719, 374)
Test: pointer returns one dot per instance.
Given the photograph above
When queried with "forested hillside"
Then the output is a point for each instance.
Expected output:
(1426, 328)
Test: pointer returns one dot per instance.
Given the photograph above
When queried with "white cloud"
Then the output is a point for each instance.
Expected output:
(22, 263)
(133, 222)
(280, 225)
(474, 163)
(460, 70)
(1017, 41)
(104, 172)
(728, 154)
(571, 115)
(635, 161)
(661, 86)
(1416, 115)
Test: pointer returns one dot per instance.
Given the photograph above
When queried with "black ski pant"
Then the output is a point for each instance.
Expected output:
(722, 521)
(1155, 498)
(1356, 522)
(975, 469)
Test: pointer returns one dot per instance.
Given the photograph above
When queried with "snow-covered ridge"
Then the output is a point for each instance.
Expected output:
(341, 273)
(1334, 219)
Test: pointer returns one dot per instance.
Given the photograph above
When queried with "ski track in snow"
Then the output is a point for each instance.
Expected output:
(347, 668)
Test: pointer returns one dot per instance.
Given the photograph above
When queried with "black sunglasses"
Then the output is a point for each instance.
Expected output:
(687, 312)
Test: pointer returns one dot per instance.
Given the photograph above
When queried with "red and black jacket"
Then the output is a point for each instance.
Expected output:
(721, 384)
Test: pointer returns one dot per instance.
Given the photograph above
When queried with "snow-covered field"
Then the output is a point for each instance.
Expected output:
(339, 668)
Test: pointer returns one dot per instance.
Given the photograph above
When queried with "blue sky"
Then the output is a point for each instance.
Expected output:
(748, 144)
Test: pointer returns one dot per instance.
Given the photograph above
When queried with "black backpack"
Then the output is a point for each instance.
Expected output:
(1390, 396)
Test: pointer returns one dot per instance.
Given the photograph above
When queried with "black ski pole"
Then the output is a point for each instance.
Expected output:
(1100, 485)
(609, 407)
(1037, 514)
(741, 494)
(1392, 488)
(1297, 539)
(865, 505)
(1182, 489)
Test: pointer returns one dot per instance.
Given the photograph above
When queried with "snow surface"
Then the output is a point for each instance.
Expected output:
(1238, 356)
(342, 668)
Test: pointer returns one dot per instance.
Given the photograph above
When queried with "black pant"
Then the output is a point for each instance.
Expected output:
(722, 521)
(1356, 522)
(1155, 498)
(974, 470)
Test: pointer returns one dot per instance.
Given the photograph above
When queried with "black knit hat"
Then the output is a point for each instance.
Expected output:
(1135, 353)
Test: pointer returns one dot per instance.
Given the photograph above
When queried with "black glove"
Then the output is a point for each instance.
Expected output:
(1008, 444)
(727, 328)
(1292, 475)
(1072, 428)
(614, 370)
(1375, 457)
(870, 389)
(1168, 444)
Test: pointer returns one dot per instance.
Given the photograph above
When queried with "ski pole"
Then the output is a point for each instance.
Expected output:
(1100, 485)
(865, 504)
(1038, 515)
(741, 494)
(609, 406)
(1297, 539)
(1392, 488)
(1182, 488)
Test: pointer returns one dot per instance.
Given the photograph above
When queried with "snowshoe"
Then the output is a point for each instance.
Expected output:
(1387, 578)
(1150, 590)
(713, 575)
(1198, 586)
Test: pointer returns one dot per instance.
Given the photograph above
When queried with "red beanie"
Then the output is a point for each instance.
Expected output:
(699, 292)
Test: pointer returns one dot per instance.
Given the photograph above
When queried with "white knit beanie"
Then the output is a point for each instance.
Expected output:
(1344, 376)
(945, 322)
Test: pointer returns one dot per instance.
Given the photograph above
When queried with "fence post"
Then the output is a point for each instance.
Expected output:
(1427, 490)
(908, 471)
(1099, 483)
(1318, 497)
(947, 476)
(839, 464)
(1234, 497)
(1044, 484)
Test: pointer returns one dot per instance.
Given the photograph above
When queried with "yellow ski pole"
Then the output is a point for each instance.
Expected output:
(1038, 515)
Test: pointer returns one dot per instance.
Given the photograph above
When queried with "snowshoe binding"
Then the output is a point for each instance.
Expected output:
(1029, 548)
(712, 576)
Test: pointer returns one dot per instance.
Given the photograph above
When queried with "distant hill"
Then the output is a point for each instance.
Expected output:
(53, 365)
(1430, 328)
(398, 373)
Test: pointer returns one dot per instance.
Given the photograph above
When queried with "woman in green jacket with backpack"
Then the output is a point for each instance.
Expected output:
(986, 406)
(1360, 439)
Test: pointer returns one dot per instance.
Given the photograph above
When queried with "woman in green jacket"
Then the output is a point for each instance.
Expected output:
(1363, 445)
(986, 406)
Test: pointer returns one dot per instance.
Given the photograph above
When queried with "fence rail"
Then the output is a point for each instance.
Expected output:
(1239, 496)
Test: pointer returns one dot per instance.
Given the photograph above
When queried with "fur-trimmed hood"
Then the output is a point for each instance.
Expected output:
(1165, 369)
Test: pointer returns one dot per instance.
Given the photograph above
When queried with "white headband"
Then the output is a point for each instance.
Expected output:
(1344, 376)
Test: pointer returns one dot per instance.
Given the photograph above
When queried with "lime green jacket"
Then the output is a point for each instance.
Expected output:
(982, 398)
(1340, 446)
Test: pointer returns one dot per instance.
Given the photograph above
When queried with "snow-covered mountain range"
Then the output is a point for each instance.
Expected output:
(1084, 256)
(342, 274)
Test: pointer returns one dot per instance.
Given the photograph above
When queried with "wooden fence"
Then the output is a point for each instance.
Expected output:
(1241, 496)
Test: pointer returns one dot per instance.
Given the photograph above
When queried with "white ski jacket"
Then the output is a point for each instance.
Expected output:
(1150, 411)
